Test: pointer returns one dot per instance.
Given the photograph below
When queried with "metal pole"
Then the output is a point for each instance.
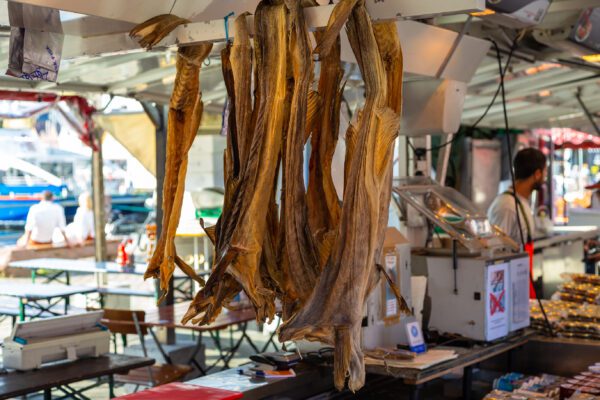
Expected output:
(460, 36)
(159, 116)
(444, 159)
(551, 181)
(587, 112)
(98, 199)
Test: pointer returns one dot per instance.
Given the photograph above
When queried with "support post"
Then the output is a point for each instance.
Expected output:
(587, 112)
(158, 114)
(550, 199)
(444, 159)
(98, 199)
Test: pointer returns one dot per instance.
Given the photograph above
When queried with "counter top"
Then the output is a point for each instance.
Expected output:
(564, 234)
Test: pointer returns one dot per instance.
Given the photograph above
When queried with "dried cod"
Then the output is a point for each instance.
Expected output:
(241, 254)
(185, 112)
(319, 258)
(333, 313)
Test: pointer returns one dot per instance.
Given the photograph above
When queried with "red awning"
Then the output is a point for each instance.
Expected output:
(566, 138)
(85, 110)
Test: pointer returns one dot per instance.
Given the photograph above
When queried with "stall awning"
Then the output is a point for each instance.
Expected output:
(135, 132)
(566, 138)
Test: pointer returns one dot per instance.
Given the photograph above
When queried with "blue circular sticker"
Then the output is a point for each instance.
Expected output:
(414, 331)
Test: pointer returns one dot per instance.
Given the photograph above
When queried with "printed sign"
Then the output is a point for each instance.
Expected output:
(496, 301)
(416, 343)
(391, 303)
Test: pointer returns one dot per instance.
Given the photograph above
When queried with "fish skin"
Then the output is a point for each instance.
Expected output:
(302, 259)
(240, 257)
(333, 314)
(185, 113)
(322, 198)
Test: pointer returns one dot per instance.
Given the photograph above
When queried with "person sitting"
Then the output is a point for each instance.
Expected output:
(81, 229)
(42, 220)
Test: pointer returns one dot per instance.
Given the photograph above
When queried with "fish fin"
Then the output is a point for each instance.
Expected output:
(189, 271)
(351, 138)
(152, 31)
(211, 231)
(325, 246)
(402, 303)
(338, 18)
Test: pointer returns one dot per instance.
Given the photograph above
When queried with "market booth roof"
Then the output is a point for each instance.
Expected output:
(542, 83)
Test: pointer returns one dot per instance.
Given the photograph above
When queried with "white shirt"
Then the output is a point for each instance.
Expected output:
(83, 223)
(43, 218)
(502, 213)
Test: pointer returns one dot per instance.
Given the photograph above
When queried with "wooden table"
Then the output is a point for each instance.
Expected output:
(62, 268)
(33, 295)
(467, 357)
(170, 317)
(65, 265)
(61, 375)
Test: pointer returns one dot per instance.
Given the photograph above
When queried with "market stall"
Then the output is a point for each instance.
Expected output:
(355, 170)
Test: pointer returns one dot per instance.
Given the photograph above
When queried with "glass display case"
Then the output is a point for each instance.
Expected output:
(452, 212)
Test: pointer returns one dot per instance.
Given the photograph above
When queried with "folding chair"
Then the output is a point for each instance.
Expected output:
(126, 322)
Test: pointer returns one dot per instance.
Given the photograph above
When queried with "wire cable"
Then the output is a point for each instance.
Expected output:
(512, 172)
(487, 109)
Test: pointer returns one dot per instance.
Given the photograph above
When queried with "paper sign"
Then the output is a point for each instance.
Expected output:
(496, 301)
(416, 343)
(391, 303)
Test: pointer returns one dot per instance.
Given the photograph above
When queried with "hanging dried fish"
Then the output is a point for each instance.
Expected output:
(320, 259)
(323, 203)
(333, 314)
(302, 260)
(244, 235)
(390, 50)
(185, 112)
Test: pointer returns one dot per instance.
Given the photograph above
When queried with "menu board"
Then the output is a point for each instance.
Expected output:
(496, 301)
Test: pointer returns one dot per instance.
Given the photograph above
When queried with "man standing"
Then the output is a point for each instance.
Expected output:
(43, 218)
(530, 174)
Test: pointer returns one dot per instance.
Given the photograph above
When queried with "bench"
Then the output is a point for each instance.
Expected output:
(122, 291)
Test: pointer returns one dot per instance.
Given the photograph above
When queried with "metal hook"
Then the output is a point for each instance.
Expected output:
(226, 22)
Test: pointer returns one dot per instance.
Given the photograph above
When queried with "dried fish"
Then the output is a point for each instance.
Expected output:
(333, 314)
(322, 198)
(185, 112)
(302, 259)
(319, 258)
(244, 233)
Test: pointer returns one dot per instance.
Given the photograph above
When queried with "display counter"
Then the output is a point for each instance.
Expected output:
(309, 381)
(560, 253)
